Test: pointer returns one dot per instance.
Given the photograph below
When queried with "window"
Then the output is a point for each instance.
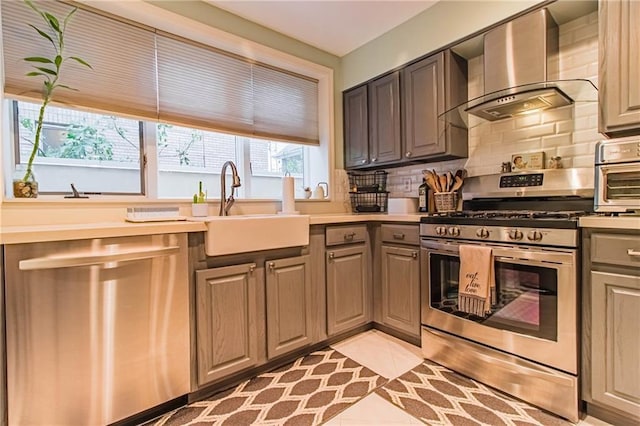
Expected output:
(173, 135)
(98, 153)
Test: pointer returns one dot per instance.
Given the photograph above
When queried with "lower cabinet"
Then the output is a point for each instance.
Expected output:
(289, 310)
(615, 360)
(400, 284)
(610, 319)
(230, 314)
(226, 311)
(348, 293)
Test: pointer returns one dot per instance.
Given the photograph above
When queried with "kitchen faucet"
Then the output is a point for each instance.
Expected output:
(226, 203)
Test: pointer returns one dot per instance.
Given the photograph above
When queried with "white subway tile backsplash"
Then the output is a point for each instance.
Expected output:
(530, 132)
(589, 135)
(556, 140)
(557, 114)
(583, 161)
(576, 150)
(528, 120)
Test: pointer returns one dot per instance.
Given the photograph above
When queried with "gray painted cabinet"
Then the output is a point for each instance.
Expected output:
(430, 87)
(615, 352)
(289, 304)
(401, 289)
(619, 91)
(356, 127)
(611, 337)
(226, 325)
(348, 292)
(384, 119)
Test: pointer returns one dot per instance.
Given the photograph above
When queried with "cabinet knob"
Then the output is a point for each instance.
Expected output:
(374, 159)
(364, 162)
(414, 254)
(271, 265)
(252, 267)
(408, 154)
(331, 255)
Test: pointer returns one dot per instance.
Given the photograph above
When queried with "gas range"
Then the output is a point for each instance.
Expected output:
(544, 210)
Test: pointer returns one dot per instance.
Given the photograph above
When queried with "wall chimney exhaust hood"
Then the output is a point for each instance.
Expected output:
(520, 61)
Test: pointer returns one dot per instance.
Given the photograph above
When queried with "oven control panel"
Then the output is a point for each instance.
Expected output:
(517, 181)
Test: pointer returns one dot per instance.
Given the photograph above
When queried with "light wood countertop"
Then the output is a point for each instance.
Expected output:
(611, 222)
(78, 231)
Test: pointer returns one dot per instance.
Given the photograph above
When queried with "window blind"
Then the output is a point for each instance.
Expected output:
(148, 74)
(123, 78)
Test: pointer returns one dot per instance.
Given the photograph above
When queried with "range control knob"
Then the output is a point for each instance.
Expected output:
(482, 233)
(441, 230)
(534, 236)
(454, 231)
(515, 234)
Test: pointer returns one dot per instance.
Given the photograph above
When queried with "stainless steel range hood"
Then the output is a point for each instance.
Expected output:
(521, 69)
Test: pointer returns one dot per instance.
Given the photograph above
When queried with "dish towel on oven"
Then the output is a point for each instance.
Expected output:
(476, 279)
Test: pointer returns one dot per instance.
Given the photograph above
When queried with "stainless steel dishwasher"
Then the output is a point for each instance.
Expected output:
(97, 330)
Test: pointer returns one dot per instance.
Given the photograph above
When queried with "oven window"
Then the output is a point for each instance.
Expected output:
(623, 185)
(525, 300)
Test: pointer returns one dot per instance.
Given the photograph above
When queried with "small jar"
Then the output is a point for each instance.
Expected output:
(24, 188)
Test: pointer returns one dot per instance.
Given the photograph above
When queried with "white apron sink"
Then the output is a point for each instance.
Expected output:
(246, 233)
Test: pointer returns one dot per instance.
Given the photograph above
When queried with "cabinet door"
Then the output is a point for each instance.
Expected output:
(348, 295)
(619, 67)
(289, 310)
(401, 289)
(356, 127)
(423, 101)
(384, 119)
(615, 349)
(226, 314)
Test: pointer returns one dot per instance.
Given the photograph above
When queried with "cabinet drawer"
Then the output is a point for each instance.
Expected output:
(346, 234)
(615, 249)
(402, 234)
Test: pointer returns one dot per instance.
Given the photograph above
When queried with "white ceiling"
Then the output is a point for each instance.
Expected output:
(335, 26)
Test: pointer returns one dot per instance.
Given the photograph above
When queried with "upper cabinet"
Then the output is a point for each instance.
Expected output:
(356, 127)
(384, 119)
(619, 67)
(393, 120)
(432, 86)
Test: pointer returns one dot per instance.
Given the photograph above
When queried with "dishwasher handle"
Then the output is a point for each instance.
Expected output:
(75, 260)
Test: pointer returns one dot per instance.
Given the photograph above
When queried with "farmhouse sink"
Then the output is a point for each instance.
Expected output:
(246, 233)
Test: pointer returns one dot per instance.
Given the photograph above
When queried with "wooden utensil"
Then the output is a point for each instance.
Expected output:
(457, 184)
(450, 181)
(443, 183)
(430, 182)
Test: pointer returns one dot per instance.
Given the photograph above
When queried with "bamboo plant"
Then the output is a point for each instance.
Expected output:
(48, 68)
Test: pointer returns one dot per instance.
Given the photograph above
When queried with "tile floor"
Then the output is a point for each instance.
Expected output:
(389, 357)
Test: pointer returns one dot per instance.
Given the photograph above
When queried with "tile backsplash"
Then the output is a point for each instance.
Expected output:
(570, 132)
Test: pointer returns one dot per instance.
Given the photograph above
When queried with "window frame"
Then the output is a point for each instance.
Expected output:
(154, 16)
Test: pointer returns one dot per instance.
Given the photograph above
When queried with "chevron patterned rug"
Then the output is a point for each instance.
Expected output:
(308, 392)
(439, 396)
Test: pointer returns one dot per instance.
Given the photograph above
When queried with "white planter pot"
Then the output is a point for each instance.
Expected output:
(200, 209)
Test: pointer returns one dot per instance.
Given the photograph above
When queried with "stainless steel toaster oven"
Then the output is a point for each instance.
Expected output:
(617, 175)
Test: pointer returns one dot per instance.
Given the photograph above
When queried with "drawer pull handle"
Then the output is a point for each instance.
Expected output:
(632, 252)
(349, 237)
(398, 236)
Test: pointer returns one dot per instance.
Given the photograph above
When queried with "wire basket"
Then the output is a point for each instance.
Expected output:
(369, 202)
(368, 182)
(446, 201)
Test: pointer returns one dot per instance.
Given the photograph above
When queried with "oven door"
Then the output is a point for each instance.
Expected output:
(617, 188)
(533, 313)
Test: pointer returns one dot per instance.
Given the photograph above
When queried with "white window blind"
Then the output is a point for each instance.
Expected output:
(123, 78)
(144, 73)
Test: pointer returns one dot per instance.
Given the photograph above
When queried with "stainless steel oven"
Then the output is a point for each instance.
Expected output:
(527, 342)
(534, 314)
(617, 177)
